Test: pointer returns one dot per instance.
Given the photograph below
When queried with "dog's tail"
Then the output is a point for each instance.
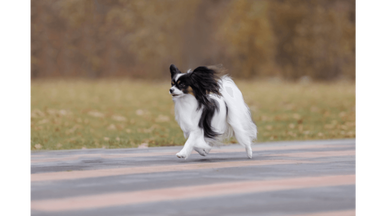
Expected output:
(239, 117)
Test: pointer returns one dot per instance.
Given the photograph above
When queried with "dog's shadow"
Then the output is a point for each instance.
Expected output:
(214, 159)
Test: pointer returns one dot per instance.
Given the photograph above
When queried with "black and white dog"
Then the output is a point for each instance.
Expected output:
(208, 109)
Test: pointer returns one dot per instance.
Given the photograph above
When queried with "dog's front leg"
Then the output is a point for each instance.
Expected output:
(194, 138)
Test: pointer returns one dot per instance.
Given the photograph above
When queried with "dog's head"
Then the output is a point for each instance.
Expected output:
(200, 82)
(181, 84)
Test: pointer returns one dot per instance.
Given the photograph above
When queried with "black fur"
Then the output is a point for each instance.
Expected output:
(174, 70)
(203, 82)
(206, 118)
(200, 82)
(226, 107)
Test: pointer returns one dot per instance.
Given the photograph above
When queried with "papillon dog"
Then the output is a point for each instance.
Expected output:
(210, 108)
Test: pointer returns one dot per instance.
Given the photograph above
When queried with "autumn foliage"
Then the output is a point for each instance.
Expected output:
(136, 38)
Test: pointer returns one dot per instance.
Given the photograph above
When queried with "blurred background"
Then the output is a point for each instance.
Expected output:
(100, 80)
(100, 68)
(140, 39)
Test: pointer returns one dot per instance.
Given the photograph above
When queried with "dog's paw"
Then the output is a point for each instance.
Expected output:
(207, 150)
(249, 152)
(200, 151)
(182, 154)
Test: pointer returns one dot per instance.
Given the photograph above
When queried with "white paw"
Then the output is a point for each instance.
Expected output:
(200, 151)
(207, 150)
(182, 154)
(249, 152)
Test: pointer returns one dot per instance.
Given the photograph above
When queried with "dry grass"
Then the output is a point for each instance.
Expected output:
(126, 113)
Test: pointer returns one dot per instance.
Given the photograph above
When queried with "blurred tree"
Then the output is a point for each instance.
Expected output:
(151, 33)
(99, 38)
(314, 37)
(249, 37)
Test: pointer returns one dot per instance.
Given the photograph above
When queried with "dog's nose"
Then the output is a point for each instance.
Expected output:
(171, 91)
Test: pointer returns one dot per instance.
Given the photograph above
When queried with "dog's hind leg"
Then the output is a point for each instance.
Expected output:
(200, 151)
(206, 150)
(243, 139)
(249, 151)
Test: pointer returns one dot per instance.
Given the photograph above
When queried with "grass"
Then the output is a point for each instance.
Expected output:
(76, 114)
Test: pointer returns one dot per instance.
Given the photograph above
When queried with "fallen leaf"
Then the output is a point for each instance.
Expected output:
(329, 126)
(139, 112)
(264, 118)
(119, 118)
(37, 113)
(144, 145)
(314, 109)
(63, 112)
(162, 118)
(296, 116)
(44, 121)
(111, 127)
(96, 114)
(300, 128)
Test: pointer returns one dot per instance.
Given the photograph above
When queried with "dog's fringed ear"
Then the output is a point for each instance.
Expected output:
(204, 82)
(206, 79)
(174, 70)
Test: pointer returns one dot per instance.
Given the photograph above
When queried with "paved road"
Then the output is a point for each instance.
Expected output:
(283, 178)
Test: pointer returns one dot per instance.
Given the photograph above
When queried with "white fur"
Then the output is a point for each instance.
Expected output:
(175, 90)
(238, 122)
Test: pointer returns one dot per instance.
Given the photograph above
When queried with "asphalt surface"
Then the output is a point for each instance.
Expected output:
(283, 178)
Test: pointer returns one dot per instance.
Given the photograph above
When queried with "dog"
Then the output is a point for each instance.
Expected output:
(209, 109)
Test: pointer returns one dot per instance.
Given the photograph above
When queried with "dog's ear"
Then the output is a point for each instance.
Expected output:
(204, 81)
(207, 79)
(174, 70)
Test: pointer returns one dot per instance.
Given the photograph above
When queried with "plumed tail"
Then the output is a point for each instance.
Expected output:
(239, 117)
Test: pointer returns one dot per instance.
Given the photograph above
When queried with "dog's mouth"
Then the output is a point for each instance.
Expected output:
(174, 95)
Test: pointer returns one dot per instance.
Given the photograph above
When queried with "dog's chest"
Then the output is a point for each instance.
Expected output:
(186, 113)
